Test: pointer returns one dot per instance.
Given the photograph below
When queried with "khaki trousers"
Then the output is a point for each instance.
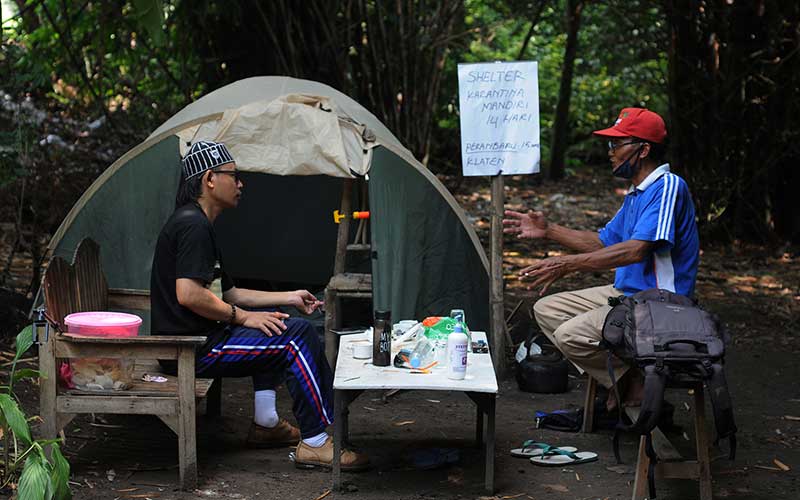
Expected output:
(573, 321)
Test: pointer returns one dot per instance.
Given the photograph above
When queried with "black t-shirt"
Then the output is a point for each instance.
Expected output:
(186, 248)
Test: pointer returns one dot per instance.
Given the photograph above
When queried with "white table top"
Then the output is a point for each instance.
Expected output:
(359, 374)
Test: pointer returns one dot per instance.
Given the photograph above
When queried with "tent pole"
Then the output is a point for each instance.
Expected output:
(498, 339)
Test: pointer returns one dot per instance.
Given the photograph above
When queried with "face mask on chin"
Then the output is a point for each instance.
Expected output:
(626, 169)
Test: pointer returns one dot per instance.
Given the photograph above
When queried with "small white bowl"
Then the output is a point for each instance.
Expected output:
(362, 350)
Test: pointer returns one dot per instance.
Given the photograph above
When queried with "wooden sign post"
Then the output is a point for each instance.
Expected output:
(499, 107)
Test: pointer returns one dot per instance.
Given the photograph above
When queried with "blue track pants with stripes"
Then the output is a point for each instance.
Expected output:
(295, 355)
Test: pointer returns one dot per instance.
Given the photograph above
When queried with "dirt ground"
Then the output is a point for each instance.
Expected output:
(755, 290)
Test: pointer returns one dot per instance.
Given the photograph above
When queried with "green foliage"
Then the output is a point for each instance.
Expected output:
(14, 419)
(40, 477)
(107, 57)
(34, 482)
(150, 15)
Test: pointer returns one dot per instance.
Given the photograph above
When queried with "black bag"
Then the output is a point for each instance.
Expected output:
(669, 337)
(547, 372)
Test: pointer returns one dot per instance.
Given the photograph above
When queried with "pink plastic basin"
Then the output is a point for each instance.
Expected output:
(102, 323)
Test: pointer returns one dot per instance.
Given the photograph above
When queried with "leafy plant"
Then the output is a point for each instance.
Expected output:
(40, 478)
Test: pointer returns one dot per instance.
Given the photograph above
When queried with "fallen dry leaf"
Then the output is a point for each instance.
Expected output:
(456, 476)
(556, 487)
(326, 493)
(782, 466)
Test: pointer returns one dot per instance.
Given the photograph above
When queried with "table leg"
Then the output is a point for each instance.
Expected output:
(490, 410)
(479, 426)
(339, 416)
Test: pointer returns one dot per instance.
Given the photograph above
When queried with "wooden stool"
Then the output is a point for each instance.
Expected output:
(671, 465)
(588, 404)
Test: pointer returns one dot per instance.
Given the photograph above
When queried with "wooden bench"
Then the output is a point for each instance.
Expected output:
(81, 286)
(671, 464)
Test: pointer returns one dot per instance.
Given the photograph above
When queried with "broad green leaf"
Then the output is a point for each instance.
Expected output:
(24, 341)
(15, 418)
(34, 482)
(59, 477)
(150, 14)
(26, 373)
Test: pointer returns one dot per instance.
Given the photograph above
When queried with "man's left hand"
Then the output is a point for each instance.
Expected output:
(304, 301)
(545, 272)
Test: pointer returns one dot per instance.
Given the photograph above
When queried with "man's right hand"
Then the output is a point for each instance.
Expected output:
(525, 225)
(271, 323)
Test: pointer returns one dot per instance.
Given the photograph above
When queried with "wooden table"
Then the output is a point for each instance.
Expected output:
(354, 376)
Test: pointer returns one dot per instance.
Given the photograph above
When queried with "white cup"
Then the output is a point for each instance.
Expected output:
(362, 350)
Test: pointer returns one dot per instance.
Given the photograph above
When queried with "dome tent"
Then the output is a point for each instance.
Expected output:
(295, 142)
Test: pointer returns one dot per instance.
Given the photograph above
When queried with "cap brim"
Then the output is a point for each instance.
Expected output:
(610, 132)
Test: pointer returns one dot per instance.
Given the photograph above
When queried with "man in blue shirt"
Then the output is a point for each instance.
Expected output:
(651, 241)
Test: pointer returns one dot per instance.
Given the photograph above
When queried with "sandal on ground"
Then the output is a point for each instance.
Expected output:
(556, 457)
(531, 449)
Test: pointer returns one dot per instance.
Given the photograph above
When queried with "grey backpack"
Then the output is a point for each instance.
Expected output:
(668, 336)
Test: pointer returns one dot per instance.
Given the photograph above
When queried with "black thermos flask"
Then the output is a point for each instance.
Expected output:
(382, 339)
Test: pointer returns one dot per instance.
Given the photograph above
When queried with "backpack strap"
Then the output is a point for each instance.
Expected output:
(620, 425)
(655, 380)
(721, 404)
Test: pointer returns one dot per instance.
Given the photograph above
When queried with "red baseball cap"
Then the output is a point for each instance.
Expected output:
(637, 122)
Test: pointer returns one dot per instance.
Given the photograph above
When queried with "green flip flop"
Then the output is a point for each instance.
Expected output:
(531, 448)
(559, 457)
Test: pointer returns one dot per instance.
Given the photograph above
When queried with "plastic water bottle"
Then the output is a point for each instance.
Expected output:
(457, 353)
(422, 355)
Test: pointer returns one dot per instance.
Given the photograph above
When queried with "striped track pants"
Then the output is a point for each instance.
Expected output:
(296, 356)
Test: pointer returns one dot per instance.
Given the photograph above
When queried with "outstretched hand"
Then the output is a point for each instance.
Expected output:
(525, 225)
(545, 272)
(304, 301)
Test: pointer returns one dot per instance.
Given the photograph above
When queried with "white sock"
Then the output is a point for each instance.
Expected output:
(266, 415)
(317, 441)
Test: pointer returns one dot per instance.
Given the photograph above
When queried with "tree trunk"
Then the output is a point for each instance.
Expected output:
(733, 73)
(559, 144)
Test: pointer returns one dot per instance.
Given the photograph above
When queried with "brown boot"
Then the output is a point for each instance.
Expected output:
(306, 457)
(283, 434)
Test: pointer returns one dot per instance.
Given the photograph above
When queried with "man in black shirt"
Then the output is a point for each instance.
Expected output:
(242, 341)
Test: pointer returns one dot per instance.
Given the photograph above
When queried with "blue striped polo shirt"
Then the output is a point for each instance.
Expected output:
(659, 209)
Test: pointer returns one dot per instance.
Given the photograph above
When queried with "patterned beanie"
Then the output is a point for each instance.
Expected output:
(204, 155)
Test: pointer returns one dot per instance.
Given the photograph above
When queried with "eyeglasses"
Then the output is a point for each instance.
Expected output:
(234, 173)
(612, 146)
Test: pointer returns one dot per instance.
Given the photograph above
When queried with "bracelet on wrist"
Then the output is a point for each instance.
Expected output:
(233, 314)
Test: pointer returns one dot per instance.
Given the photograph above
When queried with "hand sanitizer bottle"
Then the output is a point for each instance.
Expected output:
(457, 353)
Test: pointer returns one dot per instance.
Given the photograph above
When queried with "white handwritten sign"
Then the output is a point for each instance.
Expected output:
(499, 105)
